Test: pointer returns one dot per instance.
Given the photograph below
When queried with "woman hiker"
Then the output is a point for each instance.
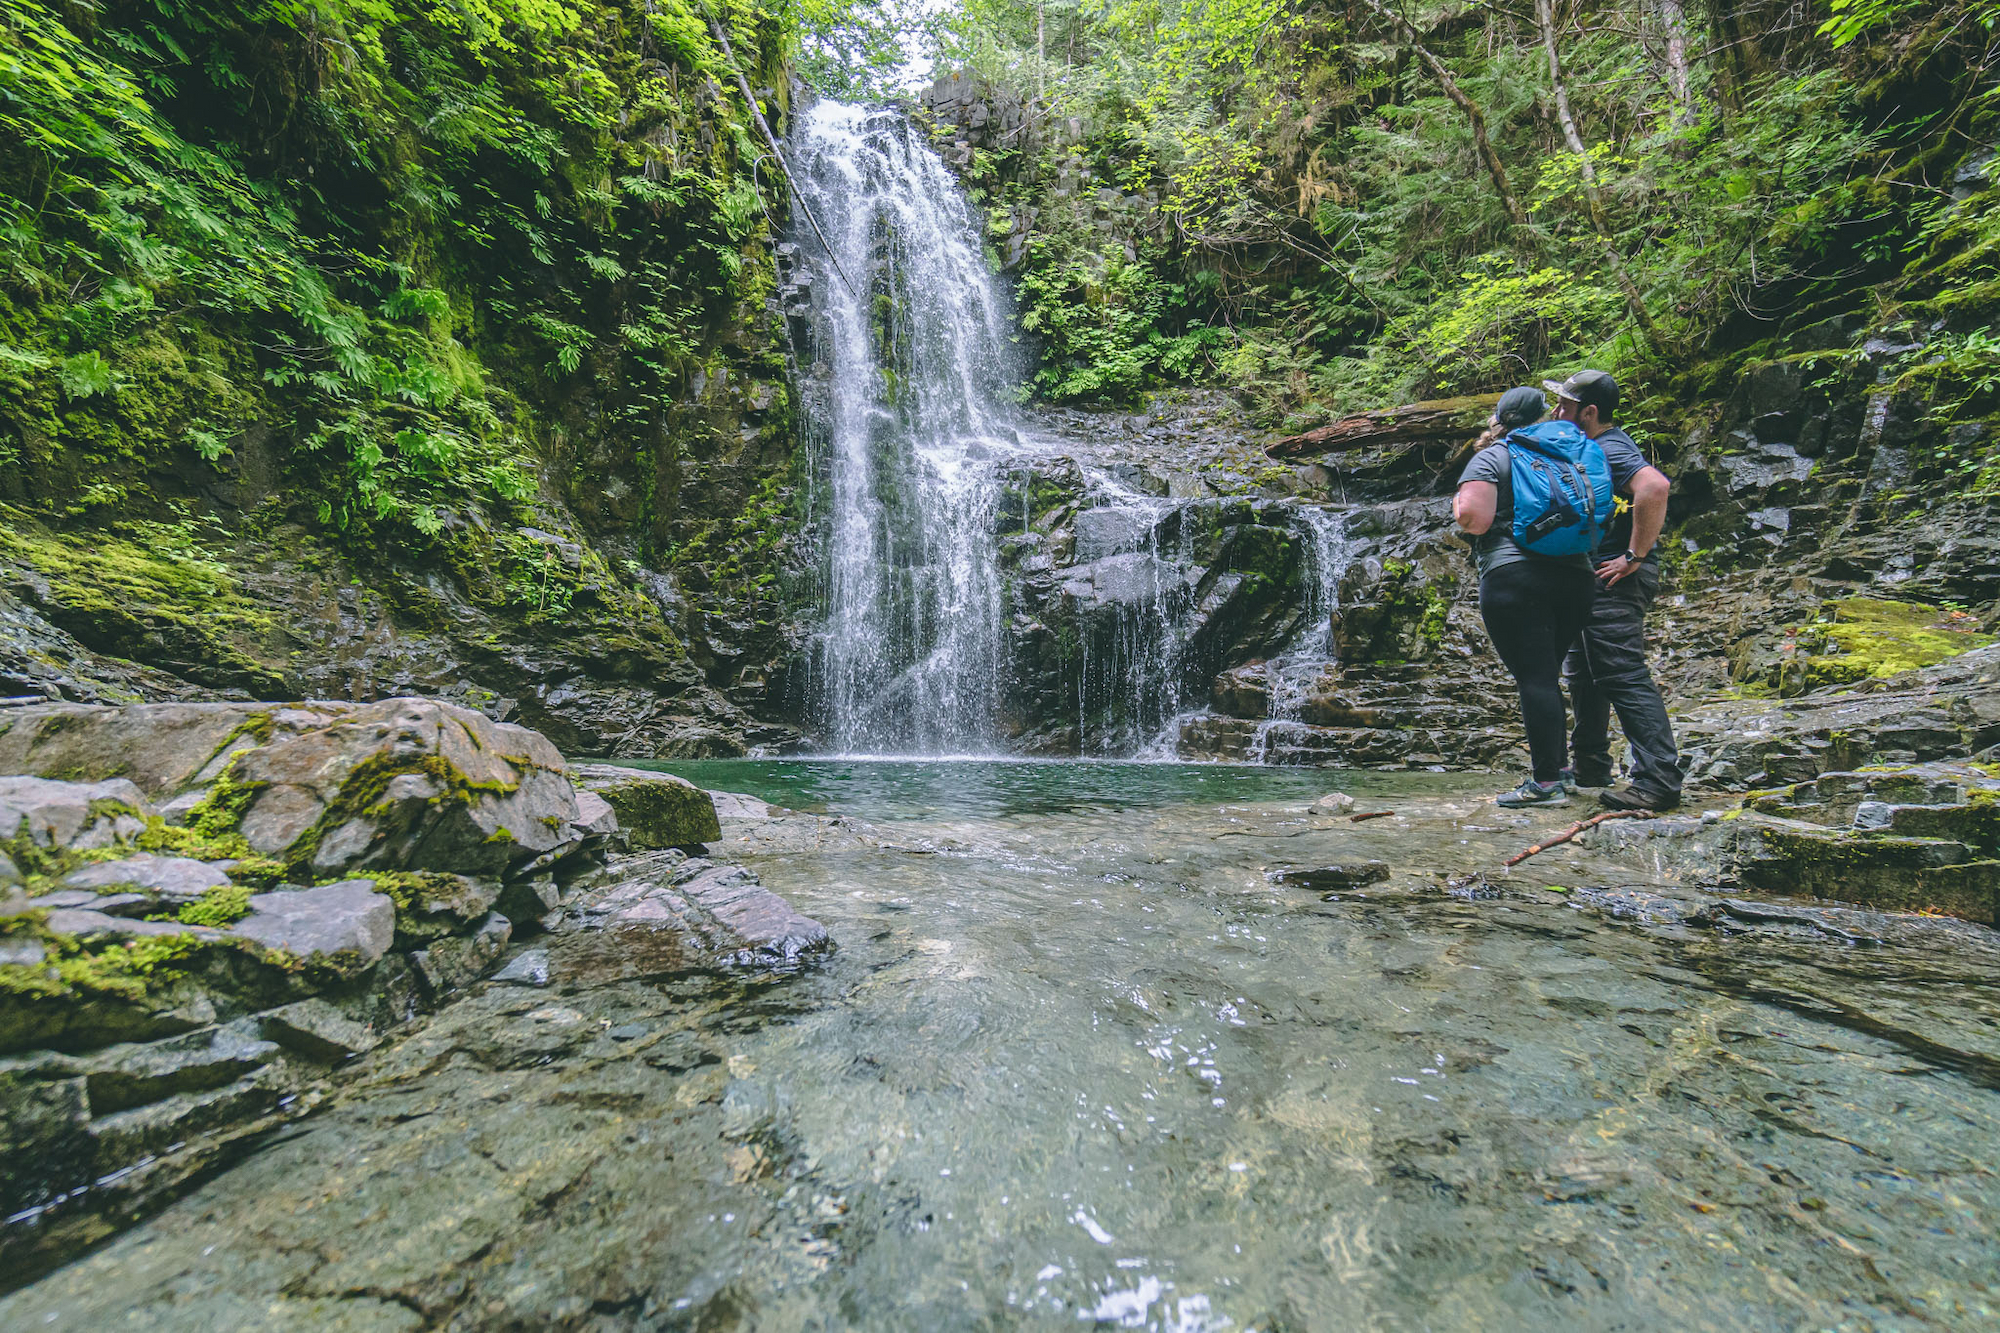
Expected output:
(1535, 578)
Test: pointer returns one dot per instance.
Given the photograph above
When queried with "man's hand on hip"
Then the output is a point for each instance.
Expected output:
(1617, 568)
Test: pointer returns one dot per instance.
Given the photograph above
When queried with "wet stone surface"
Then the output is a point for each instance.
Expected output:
(1079, 1059)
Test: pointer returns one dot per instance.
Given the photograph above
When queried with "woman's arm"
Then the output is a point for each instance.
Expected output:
(1474, 504)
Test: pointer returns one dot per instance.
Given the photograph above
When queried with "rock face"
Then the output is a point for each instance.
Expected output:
(206, 907)
(1949, 710)
(1907, 838)
(226, 924)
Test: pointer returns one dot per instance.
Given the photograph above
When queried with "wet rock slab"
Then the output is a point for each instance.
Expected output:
(667, 914)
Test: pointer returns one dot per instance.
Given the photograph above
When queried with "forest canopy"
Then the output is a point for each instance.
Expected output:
(1356, 203)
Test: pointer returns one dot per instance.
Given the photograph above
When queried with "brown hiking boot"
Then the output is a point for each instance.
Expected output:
(1638, 798)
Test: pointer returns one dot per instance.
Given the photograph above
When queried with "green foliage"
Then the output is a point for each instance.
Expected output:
(379, 210)
(1507, 326)
(1101, 322)
(1299, 176)
(217, 907)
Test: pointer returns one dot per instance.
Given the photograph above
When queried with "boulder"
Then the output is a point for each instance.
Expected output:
(317, 1031)
(161, 748)
(176, 878)
(346, 926)
(70, 816)
(325, 786)
(655, 810)
(407, 784)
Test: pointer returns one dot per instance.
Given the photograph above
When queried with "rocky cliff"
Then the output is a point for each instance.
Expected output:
(450, 366)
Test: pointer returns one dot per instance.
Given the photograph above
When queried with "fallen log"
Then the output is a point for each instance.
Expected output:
(1443, 421)
(1575, 829)
(1366, 815)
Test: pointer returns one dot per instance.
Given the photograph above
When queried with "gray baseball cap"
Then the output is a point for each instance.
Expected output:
(1592, 388)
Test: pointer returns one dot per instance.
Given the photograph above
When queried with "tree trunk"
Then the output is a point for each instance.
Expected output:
(1673, 23)
(1545, 16)
(1041, 52)
(1442, 73)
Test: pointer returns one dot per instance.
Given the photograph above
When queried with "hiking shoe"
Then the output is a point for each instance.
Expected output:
(1532, 792)
(1573, 779)
(1638, 798)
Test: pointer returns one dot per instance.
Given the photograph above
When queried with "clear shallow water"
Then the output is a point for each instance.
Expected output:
(919, 789)
(1078, 1062)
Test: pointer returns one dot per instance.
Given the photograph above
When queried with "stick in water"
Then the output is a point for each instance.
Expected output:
(1368, 814)
(1575, 829)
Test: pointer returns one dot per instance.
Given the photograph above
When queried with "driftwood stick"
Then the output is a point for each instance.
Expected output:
(750, 100)
(1575, 829)
(1368, 814)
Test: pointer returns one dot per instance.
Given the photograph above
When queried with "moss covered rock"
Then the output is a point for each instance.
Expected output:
(654, 810)
(1859, 638)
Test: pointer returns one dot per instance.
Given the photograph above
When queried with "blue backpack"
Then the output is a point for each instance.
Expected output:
(1562, 489)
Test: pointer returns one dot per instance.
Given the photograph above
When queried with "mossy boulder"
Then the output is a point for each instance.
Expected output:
(655, 810)
(321, 787)
(1861, 638)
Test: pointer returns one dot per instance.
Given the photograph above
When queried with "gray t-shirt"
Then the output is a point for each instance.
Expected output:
(1496, 547)
(1626, 463)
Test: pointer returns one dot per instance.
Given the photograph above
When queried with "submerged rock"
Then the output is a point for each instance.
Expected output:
(1348, 875)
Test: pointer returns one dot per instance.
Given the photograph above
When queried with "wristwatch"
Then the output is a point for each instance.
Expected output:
(1631, 556)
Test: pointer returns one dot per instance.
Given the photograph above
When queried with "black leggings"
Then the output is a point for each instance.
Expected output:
(1534, 609)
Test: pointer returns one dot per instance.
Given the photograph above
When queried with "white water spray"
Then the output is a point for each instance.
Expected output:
(908, 424)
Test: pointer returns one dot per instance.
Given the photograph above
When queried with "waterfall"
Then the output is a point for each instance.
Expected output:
(908, 429)
(1290, 675)
(1099, 627)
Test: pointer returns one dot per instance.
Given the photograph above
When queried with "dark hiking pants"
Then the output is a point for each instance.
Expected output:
(1534, 610)
(1606, 670)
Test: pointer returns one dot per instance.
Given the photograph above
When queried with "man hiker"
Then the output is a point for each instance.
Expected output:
(1606, 667)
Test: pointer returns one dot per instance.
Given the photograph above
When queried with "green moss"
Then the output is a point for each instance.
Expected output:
(1437, 612)
(429, 904)
(1870, 638)
(361, 794)
(123, 969)
(150, 591)
(217, 907)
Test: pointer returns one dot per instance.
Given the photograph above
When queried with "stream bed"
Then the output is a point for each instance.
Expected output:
(1080, 1059)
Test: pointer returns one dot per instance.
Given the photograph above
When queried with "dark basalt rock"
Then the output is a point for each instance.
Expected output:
(1347, 875)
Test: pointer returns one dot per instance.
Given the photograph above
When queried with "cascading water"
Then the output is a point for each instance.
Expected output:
(1290, 675)
(907, 426)
(1111, 606)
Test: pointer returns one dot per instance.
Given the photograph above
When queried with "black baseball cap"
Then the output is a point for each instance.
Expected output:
(1592, 388)
(1521, 407)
